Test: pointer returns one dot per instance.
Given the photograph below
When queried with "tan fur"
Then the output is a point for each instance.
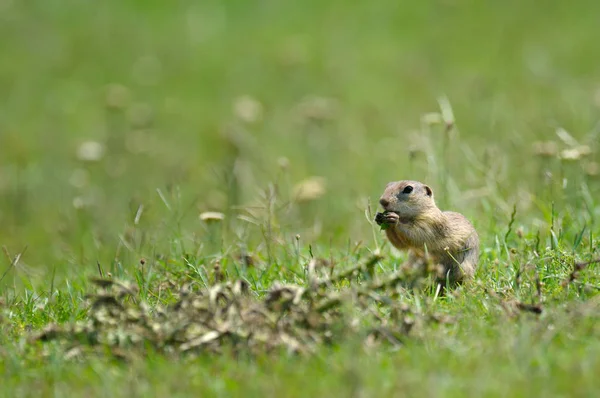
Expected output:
(418, 226)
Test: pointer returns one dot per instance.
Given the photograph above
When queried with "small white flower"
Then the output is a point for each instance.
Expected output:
(248, 109)
(90, 151)
(208, 216)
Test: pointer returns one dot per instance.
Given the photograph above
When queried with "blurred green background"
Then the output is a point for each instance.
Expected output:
(122, 121)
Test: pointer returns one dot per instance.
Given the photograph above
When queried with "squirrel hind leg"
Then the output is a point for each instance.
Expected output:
(456, 273)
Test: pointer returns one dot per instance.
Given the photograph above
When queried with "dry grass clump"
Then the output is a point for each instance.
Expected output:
(230, 316)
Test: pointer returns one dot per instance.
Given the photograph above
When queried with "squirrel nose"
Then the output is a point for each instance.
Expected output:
(384, 202)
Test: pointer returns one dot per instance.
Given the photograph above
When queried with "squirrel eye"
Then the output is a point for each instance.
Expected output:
(408, 189)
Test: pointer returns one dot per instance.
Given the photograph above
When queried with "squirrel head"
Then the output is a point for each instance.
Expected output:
(408, 199)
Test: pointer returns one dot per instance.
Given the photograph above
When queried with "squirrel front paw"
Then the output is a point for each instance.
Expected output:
(386, 219)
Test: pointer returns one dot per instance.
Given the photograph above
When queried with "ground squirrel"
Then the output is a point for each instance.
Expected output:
(413, 222)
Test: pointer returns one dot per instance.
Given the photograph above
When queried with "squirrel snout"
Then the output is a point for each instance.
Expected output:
(384, 202)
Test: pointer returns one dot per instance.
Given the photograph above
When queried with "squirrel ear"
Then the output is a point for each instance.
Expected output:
(428, 190)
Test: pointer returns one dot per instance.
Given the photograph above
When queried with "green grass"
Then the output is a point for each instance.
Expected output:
(347, 91)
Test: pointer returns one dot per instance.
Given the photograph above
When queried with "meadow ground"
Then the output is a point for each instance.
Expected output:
(121, 122)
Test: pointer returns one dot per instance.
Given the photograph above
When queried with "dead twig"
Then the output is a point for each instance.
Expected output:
(578, 267)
